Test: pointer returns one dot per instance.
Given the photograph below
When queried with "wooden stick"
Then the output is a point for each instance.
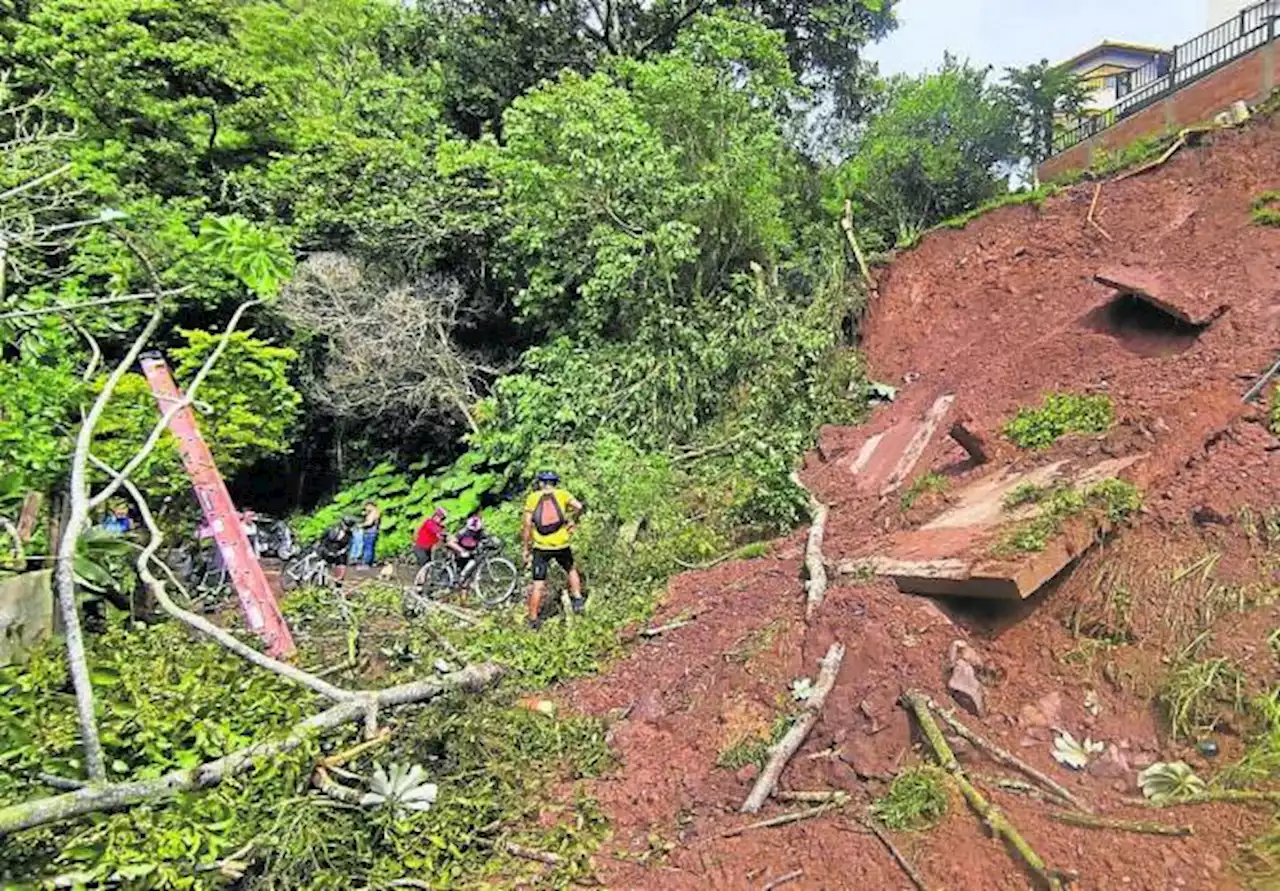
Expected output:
(351, 754)
(847, 225)
(1002, 757)
(662, 629)
(1143, 827)
(814, 563)
(1021, 787)
(818, 797)
(907, 866)
(787, 747)
(1230, 796)
(783, 879)
(1097, 190)
(516, 850)
(781, 820)
(995, 820)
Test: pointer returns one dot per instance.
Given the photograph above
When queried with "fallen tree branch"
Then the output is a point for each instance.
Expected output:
(63, 784)
(1229, 796)
(516, 850)
(116, 796)
(991, 815)
(1022, 788)
(912, 873)
(200, 623)
(783, 879)
(817, 797)
(64, 570)
(1088, 821)
(846, 223)
(663, 629)
(1093, 206)
(815, 564)
(327, 785)
(1002, 757)
(794, 737)
(782, 819)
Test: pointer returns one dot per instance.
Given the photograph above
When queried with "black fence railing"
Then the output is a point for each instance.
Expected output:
(1251, 28)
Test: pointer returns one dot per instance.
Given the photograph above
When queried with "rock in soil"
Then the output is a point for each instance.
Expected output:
(966, 689)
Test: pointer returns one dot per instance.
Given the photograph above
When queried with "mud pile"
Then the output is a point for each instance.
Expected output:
(993, 317)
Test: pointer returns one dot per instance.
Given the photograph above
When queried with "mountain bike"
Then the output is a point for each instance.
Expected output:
(490, 577)
(308, 570)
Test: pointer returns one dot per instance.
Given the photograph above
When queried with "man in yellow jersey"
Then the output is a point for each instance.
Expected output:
(546, 537)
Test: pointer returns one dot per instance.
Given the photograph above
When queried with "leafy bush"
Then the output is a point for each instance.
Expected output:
(1266, 209)
(1113, 498)
(1058, 415)
(917, 799)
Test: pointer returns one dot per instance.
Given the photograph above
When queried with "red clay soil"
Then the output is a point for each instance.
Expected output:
(997, 314)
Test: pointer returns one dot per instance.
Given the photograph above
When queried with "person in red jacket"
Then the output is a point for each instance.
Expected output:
(430, 534)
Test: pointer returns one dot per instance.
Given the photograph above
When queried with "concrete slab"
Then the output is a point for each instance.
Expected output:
(887, 460)
(951, 555)
(1165, 295)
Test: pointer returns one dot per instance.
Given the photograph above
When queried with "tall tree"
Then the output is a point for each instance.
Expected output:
(932, 152)
(1044, 96)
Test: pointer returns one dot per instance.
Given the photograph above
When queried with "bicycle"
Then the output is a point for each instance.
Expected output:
(490, 577)
(308, 570)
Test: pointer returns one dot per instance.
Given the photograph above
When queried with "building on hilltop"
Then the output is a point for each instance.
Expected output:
(1107, 70)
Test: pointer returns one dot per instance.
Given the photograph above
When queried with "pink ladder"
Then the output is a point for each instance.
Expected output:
(261, 612)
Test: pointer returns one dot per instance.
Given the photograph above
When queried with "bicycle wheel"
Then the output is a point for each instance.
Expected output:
(437, 575)
(495, 581)
(292, 574)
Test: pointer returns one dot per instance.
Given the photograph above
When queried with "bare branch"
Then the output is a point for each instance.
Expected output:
(163, 424)
(199, 623)
(91, 304)
(64, 574)
(391, 344)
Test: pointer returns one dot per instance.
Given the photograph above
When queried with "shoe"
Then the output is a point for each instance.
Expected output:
(578, 604)
(535, 624)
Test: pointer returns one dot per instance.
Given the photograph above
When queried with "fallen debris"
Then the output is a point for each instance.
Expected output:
(966, 689)
(1071, 818)
(907, 866)
(782, 819)
(670, 626)
(1000, 756)
(794, 737)
(1093, 206)
(783, 879)
(815, 564)
(919, 704)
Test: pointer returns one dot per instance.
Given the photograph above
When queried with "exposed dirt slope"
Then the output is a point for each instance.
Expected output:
(997, 314)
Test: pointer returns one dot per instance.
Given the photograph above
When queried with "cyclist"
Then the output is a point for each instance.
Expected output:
(465, 544)
(545, 531)
(430, 534)
(334, 547)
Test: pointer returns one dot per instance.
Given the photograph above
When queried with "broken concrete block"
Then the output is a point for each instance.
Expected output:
(966, 689)
(973, 443)
(1167, 296)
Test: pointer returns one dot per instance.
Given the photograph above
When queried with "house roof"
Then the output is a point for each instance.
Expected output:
(1143, 48)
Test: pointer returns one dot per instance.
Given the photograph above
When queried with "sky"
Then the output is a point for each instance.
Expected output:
(1019, 32)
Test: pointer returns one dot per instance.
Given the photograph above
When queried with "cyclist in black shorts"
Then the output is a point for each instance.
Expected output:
(546, 532)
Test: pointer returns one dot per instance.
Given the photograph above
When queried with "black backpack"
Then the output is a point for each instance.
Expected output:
(548, 516)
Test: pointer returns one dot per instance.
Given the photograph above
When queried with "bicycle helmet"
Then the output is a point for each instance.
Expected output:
(440, 513)
(474, 523)
(549, 476)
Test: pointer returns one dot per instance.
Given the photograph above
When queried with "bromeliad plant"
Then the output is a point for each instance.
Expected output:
(404, 788)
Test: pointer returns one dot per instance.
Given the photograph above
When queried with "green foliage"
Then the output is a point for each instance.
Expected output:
(929, 155)
(1059, 414)
(1273, 416)
(928, 484)
(1035, 197)
(753, 748)
(917, 799)
(249, 409)
(1261, 759)
(258, 257)
(1043, 95)
(1113, 499)
(34, 399)
(1266, 208)
(1198, 694)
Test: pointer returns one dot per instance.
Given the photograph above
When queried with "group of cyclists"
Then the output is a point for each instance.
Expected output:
(547, 524)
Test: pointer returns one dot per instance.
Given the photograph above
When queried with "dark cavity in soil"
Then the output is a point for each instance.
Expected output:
(1143, 328)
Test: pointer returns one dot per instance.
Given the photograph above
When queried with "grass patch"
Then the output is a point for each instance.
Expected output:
(1058, 415)
(1261, 760)
(925, 485)
(1034, 197)
(753, 748)
(1266, 208)
(917, 799)
(1112, 498)
(754, 642)
(1198, 694)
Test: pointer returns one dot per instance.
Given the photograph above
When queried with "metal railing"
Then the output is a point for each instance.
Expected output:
(1251, 28)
